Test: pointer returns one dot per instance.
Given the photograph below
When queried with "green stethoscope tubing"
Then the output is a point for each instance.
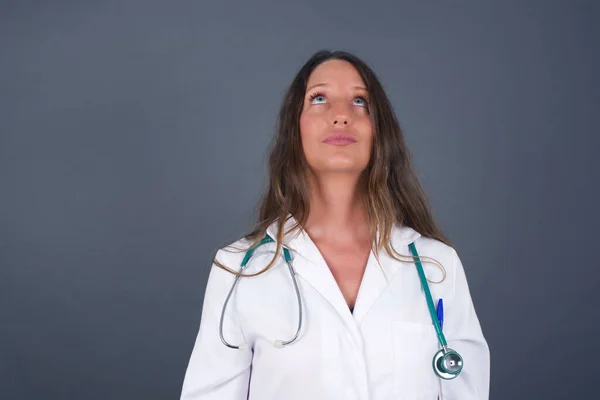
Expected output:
(288, 260)
(447, 363)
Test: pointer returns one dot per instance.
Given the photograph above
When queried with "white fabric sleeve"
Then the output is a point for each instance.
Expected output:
(216, 371)
(463, 334)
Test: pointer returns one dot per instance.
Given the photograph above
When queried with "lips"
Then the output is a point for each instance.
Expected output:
(340, 139)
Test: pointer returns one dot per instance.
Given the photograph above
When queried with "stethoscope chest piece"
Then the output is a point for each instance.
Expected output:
(447, 363)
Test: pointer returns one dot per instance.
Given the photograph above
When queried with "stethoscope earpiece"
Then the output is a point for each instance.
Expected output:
(447, 363)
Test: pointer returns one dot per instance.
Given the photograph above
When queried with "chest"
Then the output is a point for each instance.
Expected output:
(394, 343)
(347, 264)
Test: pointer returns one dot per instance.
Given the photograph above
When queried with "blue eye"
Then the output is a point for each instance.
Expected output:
(318, 97)
(362, 100)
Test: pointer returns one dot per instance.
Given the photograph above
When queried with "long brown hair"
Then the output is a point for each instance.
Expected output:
(393, 193)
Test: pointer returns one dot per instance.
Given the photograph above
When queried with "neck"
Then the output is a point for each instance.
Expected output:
(336, 210)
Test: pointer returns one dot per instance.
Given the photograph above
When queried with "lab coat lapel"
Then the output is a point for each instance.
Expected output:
(312, 268)
(378, 274)
(373, 283)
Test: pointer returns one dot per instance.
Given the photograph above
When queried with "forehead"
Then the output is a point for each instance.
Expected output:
(335, 72)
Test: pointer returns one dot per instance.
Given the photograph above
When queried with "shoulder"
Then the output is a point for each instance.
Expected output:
(233, 254)
(434, 248)
(404, 235)
(434, 251)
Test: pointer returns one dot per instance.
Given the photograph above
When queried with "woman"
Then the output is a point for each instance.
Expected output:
(352, 321)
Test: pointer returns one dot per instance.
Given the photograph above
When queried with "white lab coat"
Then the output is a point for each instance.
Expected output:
(383, 350)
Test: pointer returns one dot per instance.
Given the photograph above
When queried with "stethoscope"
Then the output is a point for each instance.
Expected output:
(447, 363)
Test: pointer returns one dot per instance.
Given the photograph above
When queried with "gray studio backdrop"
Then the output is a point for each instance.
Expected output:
(133, 143)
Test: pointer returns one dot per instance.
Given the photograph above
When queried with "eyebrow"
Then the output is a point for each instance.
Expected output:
(325, 84)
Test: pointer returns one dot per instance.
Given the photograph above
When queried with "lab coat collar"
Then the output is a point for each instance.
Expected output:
(313, 269)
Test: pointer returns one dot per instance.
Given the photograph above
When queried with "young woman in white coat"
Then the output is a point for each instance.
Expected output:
(347, 317)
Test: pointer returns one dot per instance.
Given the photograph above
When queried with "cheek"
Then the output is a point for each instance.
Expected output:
(367, 133)
(365, 127)
(311, 130)
(309, 126)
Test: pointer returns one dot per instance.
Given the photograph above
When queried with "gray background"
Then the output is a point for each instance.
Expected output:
(133, 143)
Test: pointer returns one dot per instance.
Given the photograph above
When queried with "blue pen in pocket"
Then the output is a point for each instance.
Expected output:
(440, 313)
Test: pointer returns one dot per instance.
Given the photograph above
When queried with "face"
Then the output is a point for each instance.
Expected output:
(335, 125)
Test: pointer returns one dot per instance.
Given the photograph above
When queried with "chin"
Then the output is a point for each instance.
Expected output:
(346, 164)
(342, 168)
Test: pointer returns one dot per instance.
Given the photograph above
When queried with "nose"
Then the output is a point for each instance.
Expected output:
(340, 116)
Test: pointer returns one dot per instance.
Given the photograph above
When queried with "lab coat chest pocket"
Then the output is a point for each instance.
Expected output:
(415, 344)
